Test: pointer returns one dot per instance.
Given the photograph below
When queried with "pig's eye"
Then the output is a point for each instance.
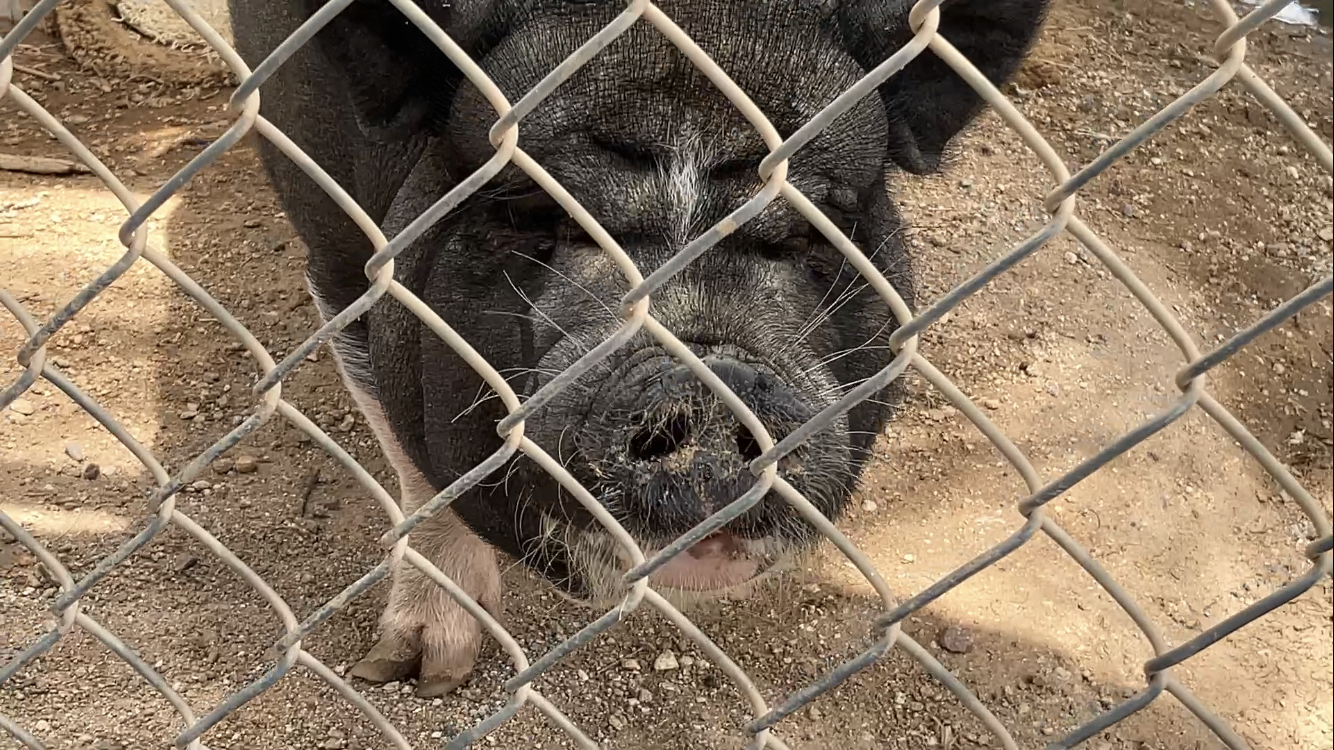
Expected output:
(532, 206)
(543, 252)
(630, 154)
(551, 220)
(824, 262)
(734, 168)
(571, 233)
(538, 213)
(535, 210)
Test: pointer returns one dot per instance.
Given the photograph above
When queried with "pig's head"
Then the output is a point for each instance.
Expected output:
(657, 155)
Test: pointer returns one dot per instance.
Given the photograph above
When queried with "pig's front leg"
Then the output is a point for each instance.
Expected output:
(424, 632)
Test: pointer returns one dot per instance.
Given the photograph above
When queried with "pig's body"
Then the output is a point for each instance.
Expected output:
(656, 155)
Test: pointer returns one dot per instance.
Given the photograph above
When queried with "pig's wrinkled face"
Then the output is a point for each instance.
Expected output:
(658, 155)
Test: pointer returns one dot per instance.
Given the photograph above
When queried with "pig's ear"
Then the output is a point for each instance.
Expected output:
(927, 102)
(399, 82)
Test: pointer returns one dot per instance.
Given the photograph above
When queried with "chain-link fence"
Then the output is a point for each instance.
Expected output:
(1031, 517)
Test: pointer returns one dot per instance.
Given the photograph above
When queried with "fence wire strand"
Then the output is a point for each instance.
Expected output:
(1030, 518)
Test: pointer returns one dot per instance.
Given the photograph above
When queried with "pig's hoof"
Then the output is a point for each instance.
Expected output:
(440, 652)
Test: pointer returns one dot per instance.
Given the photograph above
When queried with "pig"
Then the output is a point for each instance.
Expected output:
(657, 155)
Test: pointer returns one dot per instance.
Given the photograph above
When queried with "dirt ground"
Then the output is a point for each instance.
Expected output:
(1222, 215)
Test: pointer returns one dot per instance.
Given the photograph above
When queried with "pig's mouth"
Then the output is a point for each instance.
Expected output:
(722, 565)
(717, 563)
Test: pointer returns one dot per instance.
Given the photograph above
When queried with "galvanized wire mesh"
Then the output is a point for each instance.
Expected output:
(1031, 517)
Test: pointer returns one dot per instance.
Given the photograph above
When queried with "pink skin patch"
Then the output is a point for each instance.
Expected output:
(716, 562)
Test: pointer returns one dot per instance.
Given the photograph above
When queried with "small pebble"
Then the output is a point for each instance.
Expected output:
(22, 407)
(222, 465)
(665, 662)
(74, 451)
(91, 471)
(956, 640)
(630, 665)
(246, 464)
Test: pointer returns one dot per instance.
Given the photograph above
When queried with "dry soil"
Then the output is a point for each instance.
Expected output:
(1222, 215)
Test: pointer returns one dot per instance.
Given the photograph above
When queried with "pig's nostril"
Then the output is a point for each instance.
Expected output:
(662, 439)
(747, 444)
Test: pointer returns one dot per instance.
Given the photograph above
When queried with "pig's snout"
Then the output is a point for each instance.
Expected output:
(686, 429)
(688, 453)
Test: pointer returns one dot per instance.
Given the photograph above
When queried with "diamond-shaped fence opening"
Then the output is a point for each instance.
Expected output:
(1030, 518)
